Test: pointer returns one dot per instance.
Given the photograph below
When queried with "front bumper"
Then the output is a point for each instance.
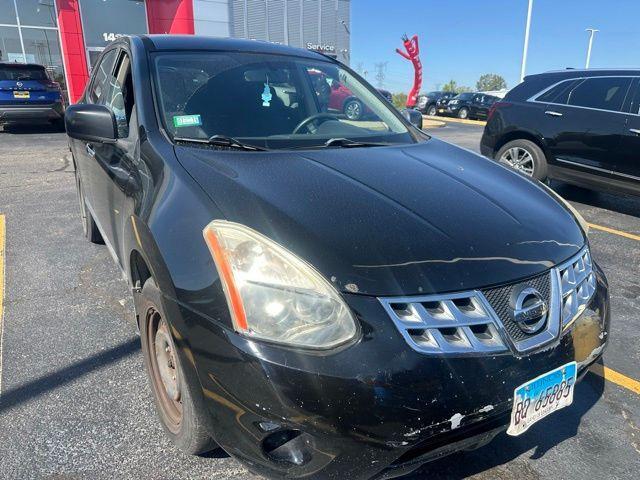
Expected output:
(27, 112)
(371, 409)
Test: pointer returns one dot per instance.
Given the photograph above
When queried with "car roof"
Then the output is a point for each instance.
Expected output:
(20, 64)
(197, 42)
(592, 72)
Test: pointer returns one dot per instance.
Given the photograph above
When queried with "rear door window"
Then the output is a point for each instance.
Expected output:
(558, 93)
(603, 93)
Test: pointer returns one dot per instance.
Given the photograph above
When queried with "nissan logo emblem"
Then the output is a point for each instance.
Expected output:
(530, 310)
(19, 84)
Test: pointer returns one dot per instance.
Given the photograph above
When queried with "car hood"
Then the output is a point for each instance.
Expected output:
(413, 219)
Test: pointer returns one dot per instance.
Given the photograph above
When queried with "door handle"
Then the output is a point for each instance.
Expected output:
(634, 130)
(90, 150)
(552, 113)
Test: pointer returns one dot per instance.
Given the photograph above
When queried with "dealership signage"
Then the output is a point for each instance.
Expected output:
(105, 20)
(322, 48)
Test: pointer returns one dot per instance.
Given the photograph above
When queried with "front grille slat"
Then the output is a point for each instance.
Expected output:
(578, 286)
(483, 321)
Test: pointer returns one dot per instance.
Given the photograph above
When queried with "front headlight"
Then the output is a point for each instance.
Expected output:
(274, 295)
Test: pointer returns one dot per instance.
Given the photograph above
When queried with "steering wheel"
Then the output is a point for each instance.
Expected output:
(313, 118)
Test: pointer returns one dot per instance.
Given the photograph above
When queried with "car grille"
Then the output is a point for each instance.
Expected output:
(578, 283)
(483, 322)
(499, 299)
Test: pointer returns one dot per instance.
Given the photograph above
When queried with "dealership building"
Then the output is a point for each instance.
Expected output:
(67, 36)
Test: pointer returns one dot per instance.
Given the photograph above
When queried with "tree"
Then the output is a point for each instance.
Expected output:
(489, 82)
(399, 100)
(452, 86)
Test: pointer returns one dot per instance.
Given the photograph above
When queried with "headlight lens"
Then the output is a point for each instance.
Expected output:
(274, 295)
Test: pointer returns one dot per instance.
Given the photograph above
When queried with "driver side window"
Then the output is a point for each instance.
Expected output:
(120, 96)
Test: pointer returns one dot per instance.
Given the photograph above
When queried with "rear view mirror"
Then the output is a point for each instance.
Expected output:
(414, 116)
(93, 123)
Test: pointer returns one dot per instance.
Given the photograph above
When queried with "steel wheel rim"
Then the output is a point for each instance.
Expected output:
(463, 113)
(519, 159)
(353, 110)
(165, 373)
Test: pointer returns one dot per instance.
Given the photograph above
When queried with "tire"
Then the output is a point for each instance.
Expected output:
(182, 413)
(353, 109)
(524, 156)
(89, 226)
(463, 113)
(432, 111)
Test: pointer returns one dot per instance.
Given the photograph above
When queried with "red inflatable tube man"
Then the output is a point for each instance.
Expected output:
(413, 55)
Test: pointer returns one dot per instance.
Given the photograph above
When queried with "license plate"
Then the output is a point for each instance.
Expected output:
(534, 400)
(21, 94)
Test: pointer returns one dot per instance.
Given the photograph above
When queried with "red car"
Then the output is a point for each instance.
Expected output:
(338, 98)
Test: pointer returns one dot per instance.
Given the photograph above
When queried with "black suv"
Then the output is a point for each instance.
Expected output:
(428, 103)
(577, 126)
(324, 297)
(468, 105)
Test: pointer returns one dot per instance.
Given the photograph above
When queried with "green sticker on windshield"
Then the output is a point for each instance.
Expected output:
(187, 121)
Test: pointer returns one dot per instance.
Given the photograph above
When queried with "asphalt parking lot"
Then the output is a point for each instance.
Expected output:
(74, 399)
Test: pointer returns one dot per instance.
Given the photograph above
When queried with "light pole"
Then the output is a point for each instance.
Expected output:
(526, 42)
(592, 32)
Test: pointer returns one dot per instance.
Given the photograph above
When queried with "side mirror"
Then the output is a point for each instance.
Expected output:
(414, 116)
(93, 123)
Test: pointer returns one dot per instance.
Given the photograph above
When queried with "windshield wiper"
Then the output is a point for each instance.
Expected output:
(346, 143)
(223, 141)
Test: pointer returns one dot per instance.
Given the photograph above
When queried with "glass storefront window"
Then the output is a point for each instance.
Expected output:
(40, 13)
(7, 12)
(41, 46)
(10, 48)
(101, 26)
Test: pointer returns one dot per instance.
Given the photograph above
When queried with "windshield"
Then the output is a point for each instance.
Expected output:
(272, 101)
(10, 72)
(464, 96)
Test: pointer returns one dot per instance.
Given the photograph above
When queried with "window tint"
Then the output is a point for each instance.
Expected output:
(21, 72)
(277, 101)
(103, 78)
(119, 97)
(559, 93)
(602, 93)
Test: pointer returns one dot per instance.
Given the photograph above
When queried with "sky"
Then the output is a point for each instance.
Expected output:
(463, 39)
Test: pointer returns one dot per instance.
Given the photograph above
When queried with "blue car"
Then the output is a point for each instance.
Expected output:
(27, 94)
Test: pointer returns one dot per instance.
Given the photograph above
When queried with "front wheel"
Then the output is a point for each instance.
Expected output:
(182, 417)
(463, 113)
(353, 109)
(432, 111)
(525, 157)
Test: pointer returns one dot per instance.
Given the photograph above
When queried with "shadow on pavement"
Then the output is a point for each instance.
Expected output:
(542, 437)
(15, 396)
(25, 129)
(625, 204)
